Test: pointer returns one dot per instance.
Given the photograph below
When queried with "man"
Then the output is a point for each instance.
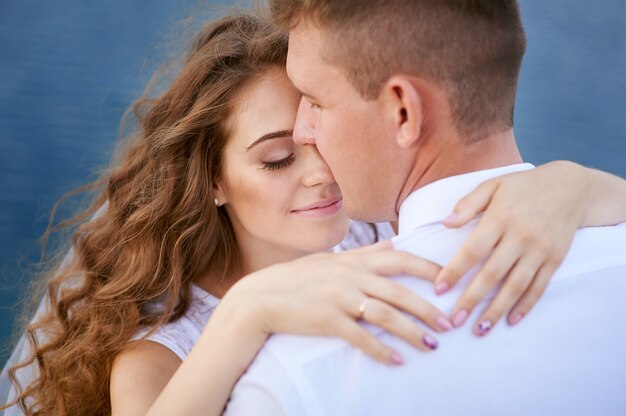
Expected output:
(411, 104)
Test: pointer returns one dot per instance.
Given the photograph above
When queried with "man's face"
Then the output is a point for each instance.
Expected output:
(355, 136)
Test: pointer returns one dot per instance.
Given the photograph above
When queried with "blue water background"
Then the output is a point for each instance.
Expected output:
(69, 69)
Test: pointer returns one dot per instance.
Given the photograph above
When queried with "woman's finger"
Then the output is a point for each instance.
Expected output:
(533, 293)
(391, 262)
(397, 295)
(381, 245)
(472, 204)
(475, 249)
(362, 339)
(488, 277)
(393, 321)
(519, 280)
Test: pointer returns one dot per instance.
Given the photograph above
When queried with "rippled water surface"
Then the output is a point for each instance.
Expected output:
(68, 70)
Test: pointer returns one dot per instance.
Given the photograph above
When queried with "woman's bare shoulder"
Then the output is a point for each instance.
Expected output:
(139, 374)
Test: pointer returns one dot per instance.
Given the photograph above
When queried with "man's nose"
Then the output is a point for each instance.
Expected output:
(317, 171)
(304, 129)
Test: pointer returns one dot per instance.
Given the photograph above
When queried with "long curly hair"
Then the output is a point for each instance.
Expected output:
(155, 226)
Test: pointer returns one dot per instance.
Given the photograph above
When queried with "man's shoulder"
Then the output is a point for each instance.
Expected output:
(278, 380)
(593, 248)
(299, 350)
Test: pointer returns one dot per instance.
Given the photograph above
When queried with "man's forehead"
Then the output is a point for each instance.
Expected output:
(303, 56)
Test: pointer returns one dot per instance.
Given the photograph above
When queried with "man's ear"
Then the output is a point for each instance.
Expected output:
(405, 103)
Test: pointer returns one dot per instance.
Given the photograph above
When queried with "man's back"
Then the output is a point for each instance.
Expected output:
(566, 357)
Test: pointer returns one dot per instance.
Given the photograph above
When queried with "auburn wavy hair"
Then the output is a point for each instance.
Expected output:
(153, 225)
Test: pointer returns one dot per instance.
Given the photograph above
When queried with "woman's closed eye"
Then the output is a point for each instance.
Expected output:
(279, 164)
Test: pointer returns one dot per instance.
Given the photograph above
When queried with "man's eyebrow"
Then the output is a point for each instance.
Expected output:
(305, 94)
(269, 136)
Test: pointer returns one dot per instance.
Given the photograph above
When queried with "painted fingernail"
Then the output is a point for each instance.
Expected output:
(460, 317)
(444, 323)
(430, 342)
(397, 359)
(451, 218)
(515, 320)
(442, 287)
(484, 327)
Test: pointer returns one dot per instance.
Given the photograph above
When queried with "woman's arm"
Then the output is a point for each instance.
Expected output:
(149, 379)
(528, 225)
(605, 198)
(321, 294)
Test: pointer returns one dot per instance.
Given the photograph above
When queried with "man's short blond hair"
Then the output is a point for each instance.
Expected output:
(473, 49)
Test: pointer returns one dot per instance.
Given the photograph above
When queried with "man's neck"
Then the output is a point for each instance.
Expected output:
(438, 159)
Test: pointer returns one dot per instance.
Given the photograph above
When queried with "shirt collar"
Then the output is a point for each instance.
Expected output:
(434, 202)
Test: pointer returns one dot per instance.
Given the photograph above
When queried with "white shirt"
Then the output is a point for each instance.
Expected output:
(568, 356)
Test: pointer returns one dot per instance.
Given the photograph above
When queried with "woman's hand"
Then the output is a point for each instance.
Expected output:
(326, 294)
(528, 225)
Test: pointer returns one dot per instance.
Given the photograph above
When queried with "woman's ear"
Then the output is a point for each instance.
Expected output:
(219, 194)
(405, 103)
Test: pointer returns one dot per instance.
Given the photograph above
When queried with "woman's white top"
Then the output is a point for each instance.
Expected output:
(181, 335)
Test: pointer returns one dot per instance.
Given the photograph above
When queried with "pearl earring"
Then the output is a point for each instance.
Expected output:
(217, 202)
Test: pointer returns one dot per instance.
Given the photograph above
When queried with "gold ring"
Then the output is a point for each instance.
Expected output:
(362, 307)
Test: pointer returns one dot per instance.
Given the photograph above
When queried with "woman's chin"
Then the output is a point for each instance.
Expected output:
(323, 241)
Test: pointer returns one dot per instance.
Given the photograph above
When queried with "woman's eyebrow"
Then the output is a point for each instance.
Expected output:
(268, 136)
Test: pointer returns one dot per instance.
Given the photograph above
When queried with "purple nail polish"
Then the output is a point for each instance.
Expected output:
(484, 327)
(397, 358)
(518, 317)
(430, 342)
(442, 287)
(444, 323)
(460, 317)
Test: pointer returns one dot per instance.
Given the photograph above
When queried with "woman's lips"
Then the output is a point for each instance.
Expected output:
(321, 208)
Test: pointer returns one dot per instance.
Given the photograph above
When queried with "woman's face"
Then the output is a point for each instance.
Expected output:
(281, 198)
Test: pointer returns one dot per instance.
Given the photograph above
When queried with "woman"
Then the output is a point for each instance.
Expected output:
(212, 189)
